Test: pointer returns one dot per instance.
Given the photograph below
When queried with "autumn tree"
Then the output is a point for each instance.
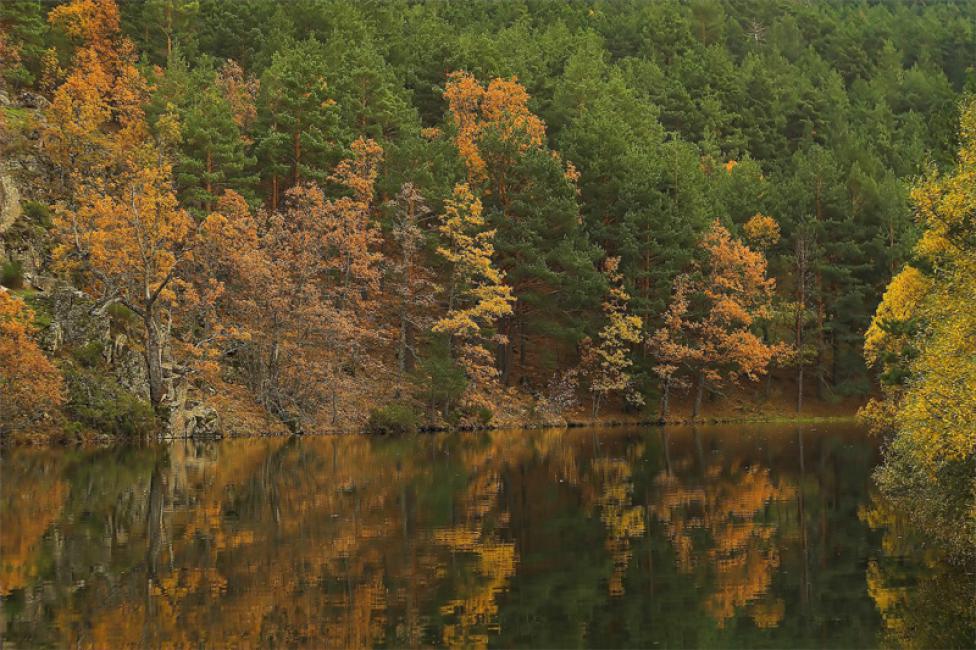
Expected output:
(922, 337)
(671, 345)
(477, 295)
(301, 287)
(729, 291)
(530, 197)
(121, 230)
(30, 385)
(607, 362)
(762, 231)
(96, 115)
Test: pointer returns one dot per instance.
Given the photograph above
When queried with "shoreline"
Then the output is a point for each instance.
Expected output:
(608, 423)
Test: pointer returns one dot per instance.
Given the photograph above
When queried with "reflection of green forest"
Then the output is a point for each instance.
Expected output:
(712, 538)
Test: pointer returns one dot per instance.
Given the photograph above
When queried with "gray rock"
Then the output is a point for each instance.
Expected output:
(10, 209)
(28, 99)
(129, 366)
(189, 418)
(76, 315)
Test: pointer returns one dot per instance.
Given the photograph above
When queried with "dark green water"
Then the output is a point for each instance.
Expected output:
(738, 536)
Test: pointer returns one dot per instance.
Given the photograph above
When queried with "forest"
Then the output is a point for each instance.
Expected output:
(327, 215)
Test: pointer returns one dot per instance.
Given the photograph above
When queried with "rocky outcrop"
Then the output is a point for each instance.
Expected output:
(190, 418)
(10, 209)
(74, 320)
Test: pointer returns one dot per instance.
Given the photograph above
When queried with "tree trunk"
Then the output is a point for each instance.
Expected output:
(799, 388)
(666, 400)
(699, 393)
(154, 360)
(209, 204)
(801, 288)
(335, 407)
(402, 351)
(297, 144)
(522, 339)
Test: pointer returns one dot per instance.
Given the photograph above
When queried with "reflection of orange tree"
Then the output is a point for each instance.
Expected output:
(27, 513)
(742, 555)
(257, 579)
(621, 520)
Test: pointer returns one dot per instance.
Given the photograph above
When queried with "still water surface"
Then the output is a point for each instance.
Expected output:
(732, 536)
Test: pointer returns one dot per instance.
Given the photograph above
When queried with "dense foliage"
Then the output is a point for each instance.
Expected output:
(924, 337)
(444, 202)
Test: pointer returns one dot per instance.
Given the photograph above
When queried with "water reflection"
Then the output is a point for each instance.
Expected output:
(756, 536)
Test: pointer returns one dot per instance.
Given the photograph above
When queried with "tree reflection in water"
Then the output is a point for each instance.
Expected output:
(720, 536)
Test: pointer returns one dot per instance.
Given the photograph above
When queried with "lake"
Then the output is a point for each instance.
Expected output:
(719, 536)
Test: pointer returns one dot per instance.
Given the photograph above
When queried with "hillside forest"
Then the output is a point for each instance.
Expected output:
(323, 215)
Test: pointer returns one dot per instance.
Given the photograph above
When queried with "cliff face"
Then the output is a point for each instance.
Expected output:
(95, 346)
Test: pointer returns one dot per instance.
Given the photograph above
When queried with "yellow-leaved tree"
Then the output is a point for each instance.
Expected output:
(477, 295)
(607, 362)
(924, 337)
(121, 231)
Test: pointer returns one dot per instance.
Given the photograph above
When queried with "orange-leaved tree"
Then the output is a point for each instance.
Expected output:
(121, 231)
(499, 111)
(671, 345)
(726, 295)
(300, 288)
(96, 113)
(30, 385)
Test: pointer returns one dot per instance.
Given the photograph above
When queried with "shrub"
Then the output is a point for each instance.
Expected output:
(396, 418)
(483, 415)
(38, 213)
(12, 275)
(100, 403)
(90, 354)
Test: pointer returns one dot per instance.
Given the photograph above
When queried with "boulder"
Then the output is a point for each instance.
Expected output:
(28, 99)
(129, 366)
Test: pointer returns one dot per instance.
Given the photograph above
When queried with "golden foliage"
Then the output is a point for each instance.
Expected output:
(477, 293)
(30, 385)
(933, 413)
(762, 230)
(607, 363)
(499, 110)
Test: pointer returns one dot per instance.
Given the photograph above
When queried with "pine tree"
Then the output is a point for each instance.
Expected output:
(297, 135)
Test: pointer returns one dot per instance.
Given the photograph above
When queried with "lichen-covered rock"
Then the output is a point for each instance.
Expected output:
(75, 320)
(10, 209)
(29, 99)
(129, 366)
(189, 418)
